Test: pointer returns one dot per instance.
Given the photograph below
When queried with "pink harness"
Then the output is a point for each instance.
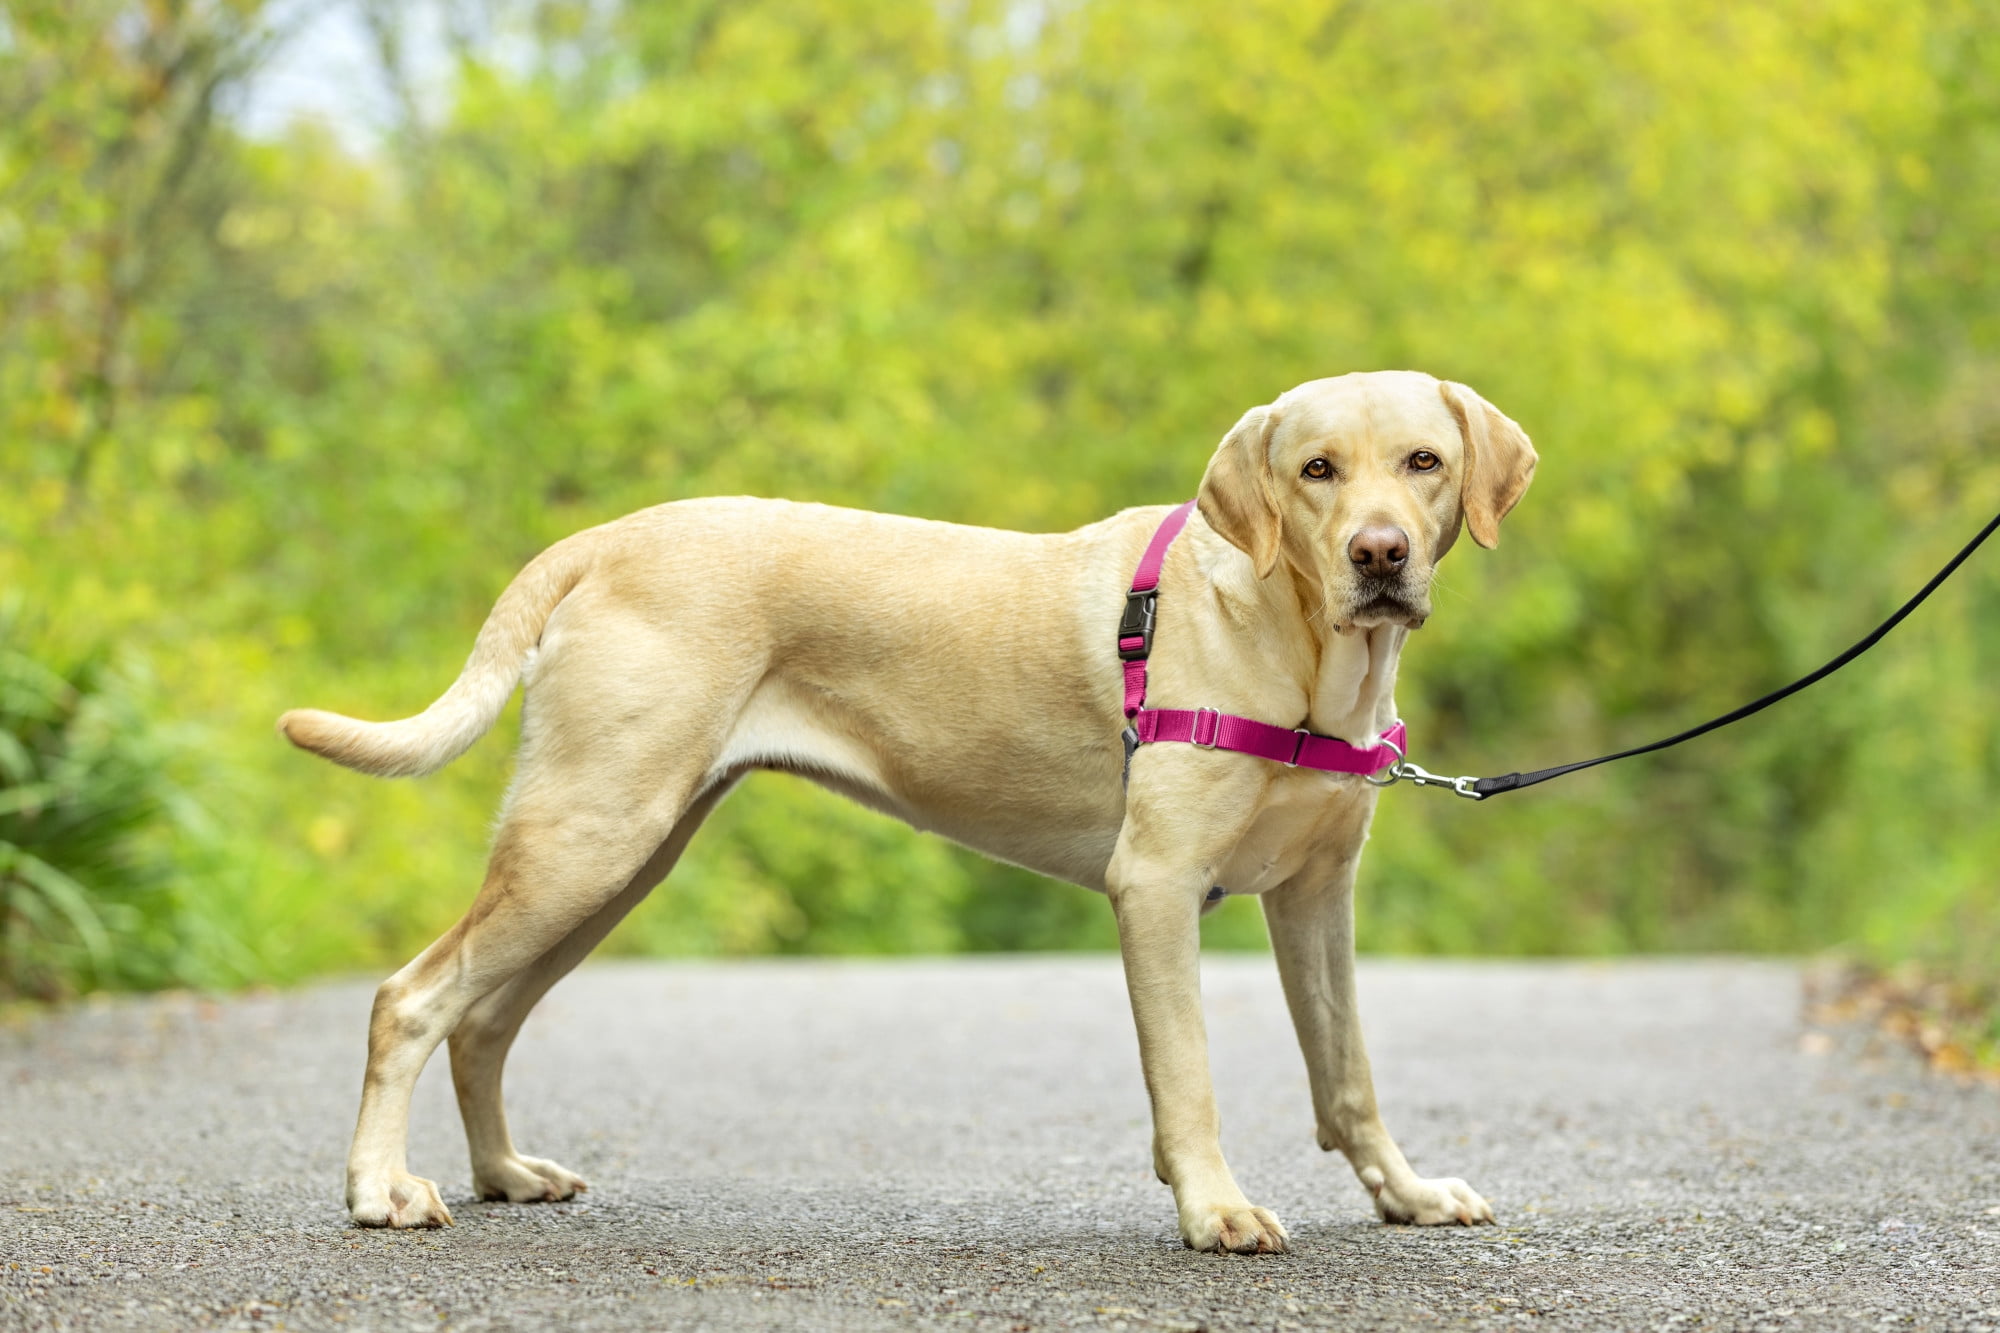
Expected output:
(1210, 728)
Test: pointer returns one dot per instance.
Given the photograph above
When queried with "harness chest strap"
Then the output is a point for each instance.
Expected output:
(1209, 728)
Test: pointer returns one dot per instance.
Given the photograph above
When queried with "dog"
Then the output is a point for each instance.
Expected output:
(967, 681)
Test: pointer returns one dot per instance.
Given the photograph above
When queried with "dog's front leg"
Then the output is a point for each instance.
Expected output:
(1312, 933)
(1156, 886)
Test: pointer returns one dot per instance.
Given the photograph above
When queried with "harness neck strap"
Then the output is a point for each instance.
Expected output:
(1135, 628)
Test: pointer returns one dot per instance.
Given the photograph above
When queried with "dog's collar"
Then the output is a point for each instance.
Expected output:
(1210, 728)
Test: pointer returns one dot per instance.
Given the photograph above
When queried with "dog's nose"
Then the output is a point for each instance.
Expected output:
(1379, 550)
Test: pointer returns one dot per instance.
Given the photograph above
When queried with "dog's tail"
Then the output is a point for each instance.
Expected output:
(465, 712)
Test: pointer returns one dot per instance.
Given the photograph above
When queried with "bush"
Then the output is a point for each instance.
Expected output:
(90, 819)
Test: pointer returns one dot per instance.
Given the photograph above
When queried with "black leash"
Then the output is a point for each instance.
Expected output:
(1479, 789)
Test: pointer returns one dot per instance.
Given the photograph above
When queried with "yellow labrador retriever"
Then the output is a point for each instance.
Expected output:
(969, 682)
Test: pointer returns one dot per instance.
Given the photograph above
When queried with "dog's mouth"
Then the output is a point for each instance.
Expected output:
(1378, 603)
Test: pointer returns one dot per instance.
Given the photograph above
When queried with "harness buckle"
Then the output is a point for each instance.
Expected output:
(1137, 623)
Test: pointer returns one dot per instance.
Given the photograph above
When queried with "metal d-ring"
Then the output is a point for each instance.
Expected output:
(1394, 770)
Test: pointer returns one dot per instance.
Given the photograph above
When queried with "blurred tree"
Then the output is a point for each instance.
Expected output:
(110, 109)
(1022, 264)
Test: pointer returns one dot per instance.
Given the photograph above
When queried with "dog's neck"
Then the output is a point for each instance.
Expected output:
(1347, 679)
(1354, 690)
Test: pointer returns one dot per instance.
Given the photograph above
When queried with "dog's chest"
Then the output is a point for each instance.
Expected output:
(1305, 818)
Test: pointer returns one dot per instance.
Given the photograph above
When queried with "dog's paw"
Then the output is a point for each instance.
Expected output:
(400, 1200)
(525, 1180)
(1239, 1230)
(1426, 1203)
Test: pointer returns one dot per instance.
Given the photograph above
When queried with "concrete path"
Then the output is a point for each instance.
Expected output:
(963, 1145)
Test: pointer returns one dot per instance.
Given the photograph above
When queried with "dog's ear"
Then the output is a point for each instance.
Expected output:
(1236, 494)
(1499, 462)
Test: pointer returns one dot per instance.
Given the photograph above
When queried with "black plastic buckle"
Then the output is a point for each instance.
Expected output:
(1137, 622)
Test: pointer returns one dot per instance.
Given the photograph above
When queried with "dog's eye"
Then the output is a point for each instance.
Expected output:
(1319, 469)
(1423, 460)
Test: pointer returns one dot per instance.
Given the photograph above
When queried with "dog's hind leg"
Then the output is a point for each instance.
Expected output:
(547, 878)
(480, 1043)
(610, 767)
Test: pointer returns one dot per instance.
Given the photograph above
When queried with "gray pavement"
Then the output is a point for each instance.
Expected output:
(963, 1144)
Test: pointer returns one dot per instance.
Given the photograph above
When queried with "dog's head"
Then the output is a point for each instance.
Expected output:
(1358, 484)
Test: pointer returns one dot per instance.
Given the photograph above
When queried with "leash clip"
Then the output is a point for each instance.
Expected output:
(1419, 776)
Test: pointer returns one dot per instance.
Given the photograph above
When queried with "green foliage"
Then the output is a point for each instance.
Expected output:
(787, 868)
(287, 416)
(88, 810)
